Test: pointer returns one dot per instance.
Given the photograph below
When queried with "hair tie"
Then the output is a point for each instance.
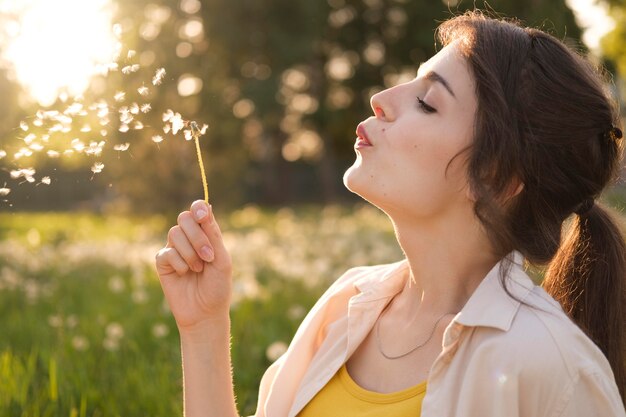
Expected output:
(614, 134)
(584, 207)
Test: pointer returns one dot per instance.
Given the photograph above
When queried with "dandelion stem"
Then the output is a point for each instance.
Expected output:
(202, 172)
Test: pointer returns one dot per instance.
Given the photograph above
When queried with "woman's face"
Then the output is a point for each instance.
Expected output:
(417, 128)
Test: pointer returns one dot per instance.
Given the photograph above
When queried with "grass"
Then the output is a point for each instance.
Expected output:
(84, 327)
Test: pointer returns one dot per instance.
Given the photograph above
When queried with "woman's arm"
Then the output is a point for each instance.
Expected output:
(207, 376)
(195, 271)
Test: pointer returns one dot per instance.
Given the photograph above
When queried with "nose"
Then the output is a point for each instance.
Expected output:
(381, 105)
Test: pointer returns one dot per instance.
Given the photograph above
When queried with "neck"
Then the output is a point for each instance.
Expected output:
(448, 259)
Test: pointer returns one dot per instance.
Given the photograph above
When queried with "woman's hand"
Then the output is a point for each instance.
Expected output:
(195, 269)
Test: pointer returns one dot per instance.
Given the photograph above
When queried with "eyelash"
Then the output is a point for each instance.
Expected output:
(425, 106)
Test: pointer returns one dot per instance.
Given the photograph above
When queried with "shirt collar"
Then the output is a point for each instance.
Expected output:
(489, 305)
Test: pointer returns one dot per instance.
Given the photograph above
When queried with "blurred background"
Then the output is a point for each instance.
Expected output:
(92, 172)
(281, 83)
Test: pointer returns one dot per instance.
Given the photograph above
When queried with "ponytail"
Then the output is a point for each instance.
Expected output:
(587, 276)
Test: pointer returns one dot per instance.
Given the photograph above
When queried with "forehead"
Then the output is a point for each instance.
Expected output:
(450, 64)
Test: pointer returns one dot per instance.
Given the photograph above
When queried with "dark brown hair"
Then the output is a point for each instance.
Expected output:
(545, 119)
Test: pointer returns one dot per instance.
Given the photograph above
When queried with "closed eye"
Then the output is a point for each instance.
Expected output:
(425, 106)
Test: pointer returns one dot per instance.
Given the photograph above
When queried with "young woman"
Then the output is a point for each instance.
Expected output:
(503, 136)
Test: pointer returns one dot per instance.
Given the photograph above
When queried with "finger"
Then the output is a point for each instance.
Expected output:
(196, 236)
(212, 231)
(178, 240)
(169, 260)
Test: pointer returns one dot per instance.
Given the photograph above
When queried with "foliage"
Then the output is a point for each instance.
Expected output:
(284, 83)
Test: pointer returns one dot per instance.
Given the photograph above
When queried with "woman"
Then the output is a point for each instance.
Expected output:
(503, 135)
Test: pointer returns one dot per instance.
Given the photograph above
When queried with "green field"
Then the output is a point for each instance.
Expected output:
(84, 330)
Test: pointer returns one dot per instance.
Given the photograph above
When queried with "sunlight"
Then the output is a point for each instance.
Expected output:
(55, 46)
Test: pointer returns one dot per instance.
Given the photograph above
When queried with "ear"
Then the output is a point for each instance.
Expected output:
(515, 187)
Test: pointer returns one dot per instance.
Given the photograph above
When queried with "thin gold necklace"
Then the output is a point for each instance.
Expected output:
(380, 347)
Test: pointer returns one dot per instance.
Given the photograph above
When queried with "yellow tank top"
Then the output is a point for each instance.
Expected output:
(343, 397)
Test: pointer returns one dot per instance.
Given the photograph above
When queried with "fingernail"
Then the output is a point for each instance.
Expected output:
(200, 214)
(207, 253)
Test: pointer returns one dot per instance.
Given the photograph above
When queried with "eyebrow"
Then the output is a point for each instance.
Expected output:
(434, 77)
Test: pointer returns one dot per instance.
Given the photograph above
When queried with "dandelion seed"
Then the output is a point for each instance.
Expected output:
(126, 118)
(167, 115)
(167, 129)
(38, 122)
(119, 96)
(97, 167)
(124, 128)
(145, 108)
(2, 154)
(177, 123)
(131, 53)
(37, 147)
(113, 66)
(4, 191)
(188, 135)
(29, 138)
(138, 126)
(143, 90)
(130, 68)
(104, 132)
(103, 111)
(204, 129)
(68, 152)
(45, 138)
(134, 108)
(22, 152)
(77, 145)
(157, 138)
(46, 180)
(85, 128)
(53, 154)
(158, 76)
(95, 148)
(122, 147)
(74, 109)
(24, 126)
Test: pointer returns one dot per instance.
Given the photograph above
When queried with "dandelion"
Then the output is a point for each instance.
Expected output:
(157, 138)
(145, 108)
(114, 330)
(275, 350)
(117, 284)
(119, 96)
(45, 180)
(80, 343)
(97, 167)
(55, 321)
(143, 90)
(160, 330)
(158, 76)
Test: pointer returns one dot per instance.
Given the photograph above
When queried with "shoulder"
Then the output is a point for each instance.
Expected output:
(546, 356)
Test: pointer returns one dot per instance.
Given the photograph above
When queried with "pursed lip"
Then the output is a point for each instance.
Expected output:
(363, 140)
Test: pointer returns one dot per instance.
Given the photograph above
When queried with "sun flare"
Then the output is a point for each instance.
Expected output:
(56, 46)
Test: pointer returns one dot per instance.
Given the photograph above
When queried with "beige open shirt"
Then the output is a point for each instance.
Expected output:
(500, 358)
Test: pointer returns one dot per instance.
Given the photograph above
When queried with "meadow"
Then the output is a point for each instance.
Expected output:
(85, 331)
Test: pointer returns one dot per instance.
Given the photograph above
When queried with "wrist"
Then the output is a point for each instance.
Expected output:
(206, 330)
